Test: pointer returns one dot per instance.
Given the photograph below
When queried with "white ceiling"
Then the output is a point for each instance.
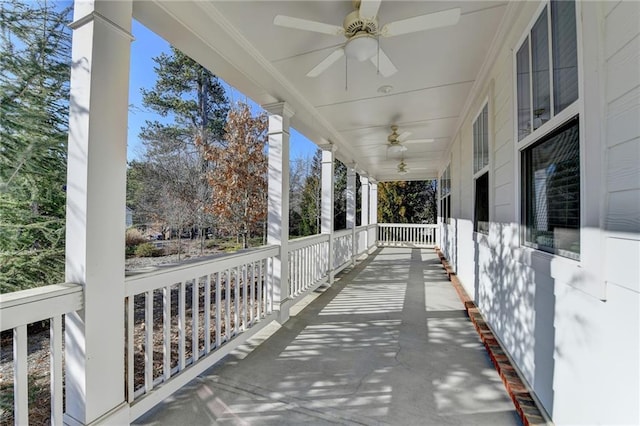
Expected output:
(436, 71)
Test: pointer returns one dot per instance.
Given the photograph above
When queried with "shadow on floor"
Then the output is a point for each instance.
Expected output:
(388, 343)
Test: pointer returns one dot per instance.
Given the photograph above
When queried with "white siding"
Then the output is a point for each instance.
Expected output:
(573, 328)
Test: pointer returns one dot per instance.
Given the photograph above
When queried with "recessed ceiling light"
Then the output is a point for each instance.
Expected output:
(385, 89)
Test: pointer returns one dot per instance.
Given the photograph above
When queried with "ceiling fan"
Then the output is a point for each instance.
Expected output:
(396, 141)
(360, 27)
(403, 168)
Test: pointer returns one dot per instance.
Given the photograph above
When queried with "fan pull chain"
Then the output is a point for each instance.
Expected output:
(346, 73)
(378, 54)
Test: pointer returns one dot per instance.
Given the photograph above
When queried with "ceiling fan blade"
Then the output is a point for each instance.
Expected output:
(421, 23)
(326, 62)
(307, 25)
(384, 64)
(419, 141)
(403, 136)
(369, 8)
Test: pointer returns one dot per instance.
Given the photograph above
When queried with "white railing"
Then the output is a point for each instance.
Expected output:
(361, 240)
(308, 264)
(407, 235)
(342, 249)
(180, 320)
(21, 308)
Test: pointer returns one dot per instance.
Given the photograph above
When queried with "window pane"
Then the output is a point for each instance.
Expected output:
(565, 59)
(524, 95)
(481, 140)
(540, 69)
(485, 136)
(475, 146)
(481, 218)
(552, 192)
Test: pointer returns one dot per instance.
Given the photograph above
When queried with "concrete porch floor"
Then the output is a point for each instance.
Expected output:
(388, 343)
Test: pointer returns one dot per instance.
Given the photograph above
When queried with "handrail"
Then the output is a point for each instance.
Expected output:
(407, 235)
(149, 280)
(309, 240)
(17, 311)
(341, 233)
(408, 225)
(37, 304)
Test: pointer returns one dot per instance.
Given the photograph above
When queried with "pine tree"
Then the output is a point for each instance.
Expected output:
(34, 81)
(193, 106)
(339, 195)
(311, 198)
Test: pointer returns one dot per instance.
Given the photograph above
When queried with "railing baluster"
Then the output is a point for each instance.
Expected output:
(218, 309)
(207, 314)
(260, 282)
(148, 341)
(130, 349)
(236, 302)
(20, 370)
(55, 365)
(195, 316)
(166, 332)
(244, 297)
(251, 290)
(293, 278)
(227, 302)
(181, 325)
(270, 287)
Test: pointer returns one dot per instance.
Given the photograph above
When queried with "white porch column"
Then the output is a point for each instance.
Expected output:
(326, 218)
(364, 208)
(278, 206)
(351, 207)
(373, 201)
(373, 208)
(96, 192)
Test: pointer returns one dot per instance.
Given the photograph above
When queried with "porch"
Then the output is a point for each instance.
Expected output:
(388, 343)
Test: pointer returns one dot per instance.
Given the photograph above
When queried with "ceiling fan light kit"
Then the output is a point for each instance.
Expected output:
(396, 148)
(361, 46)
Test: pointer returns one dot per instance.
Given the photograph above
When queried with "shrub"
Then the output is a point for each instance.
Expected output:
(133, 237)
(148, 250)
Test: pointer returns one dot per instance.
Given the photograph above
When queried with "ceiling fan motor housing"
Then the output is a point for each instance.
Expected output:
(353, 24)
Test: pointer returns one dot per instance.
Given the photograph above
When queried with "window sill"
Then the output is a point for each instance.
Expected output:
(548, 127)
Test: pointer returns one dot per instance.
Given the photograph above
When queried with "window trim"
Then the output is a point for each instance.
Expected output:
(575, 109)
(444, 176)
(486, 169)
(565, 254)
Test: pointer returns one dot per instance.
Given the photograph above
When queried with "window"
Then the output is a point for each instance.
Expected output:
(481, 141)
(480, 171)
(551, 190)
(445, 196)
(547, 83)
(481, 218)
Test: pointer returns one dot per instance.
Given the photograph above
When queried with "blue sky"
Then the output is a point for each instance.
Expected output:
(148, 45)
